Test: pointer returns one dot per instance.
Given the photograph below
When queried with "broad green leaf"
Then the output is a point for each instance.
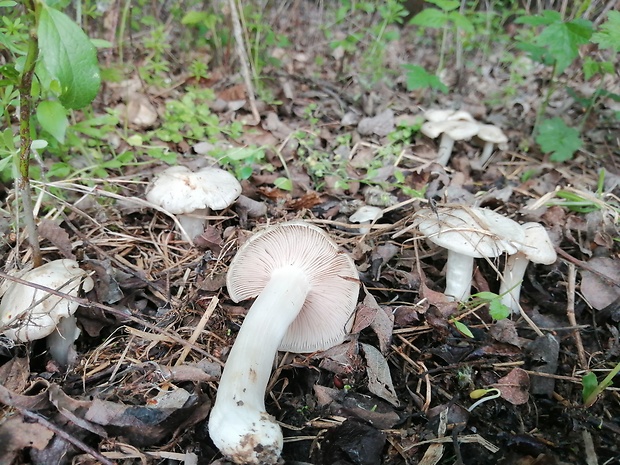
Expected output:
(555, 137)
(547, 17)
(195, 17)
(484, 295)
(418, 78)
(431, 17)
(589, 384)
(563, 41)
(69, 56)
(498, 310)
(446, 5)
(52, 117)
(608, 35)
(7, 4)
(284, 184)
(461, 21)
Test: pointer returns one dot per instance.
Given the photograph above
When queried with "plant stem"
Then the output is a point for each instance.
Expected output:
(543, 107)
(25, 112)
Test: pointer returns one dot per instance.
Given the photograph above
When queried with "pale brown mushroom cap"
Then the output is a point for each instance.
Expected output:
(327, 314)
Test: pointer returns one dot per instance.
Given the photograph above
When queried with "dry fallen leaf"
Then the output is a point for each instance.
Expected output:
(597, 291)
(379, 377)
(514, 386)
(17, 434)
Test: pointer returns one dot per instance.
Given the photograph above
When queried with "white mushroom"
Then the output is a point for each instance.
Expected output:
(190, 195)
(491, 135)
(436, 115)
(31, 314)
(451, 131)
(366, 215)
(537, 248)
(306, 293)
(468, 233)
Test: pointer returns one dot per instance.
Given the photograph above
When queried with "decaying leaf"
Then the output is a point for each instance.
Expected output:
(14, 374)
(57, 236)
(514, 386)
(599, 292)
(17, 434)
(543, 352)
(379, 377)
(353, 442)
(381, 125)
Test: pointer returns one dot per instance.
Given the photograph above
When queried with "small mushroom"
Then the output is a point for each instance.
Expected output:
(491, 135)
(31, 314)
(537, 248)
(468, 233)
(451, 131)
(306, 291)
(366, 215)
(190, 195)
(436, 115)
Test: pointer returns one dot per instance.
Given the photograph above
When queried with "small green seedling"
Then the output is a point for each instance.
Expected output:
(481, 395)
(591, 388)
(497, 309)
(462, 328)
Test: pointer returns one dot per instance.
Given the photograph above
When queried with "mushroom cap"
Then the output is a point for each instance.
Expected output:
(33, 314)
(366, 213)
(491, 133)
(435, 115)
(433, 129)
(181, 191)
(462, 130)
(537, 246)
(326, 316)
(475, 232)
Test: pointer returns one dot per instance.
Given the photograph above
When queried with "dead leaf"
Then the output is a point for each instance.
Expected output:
(17, 434)
(381, 125)
(379, 377)
(514, 386)
(352, 442)
(505, 331)
(597, 291)
(543, 352)
(14, 374)
(57, 236)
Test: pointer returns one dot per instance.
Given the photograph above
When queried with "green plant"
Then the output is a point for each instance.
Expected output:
(53, 48)
(497, 310)
(591, 388)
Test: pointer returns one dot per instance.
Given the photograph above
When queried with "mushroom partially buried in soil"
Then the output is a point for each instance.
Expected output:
(537, 248)
(306, 291)
(190, 195)
(468, 233)
(31, 314)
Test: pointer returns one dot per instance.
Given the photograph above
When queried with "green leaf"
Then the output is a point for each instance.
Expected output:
(608, 35)
(563, 40)
(69, 56)
(461, 22)
(195, 17)
(52, 117)
(547, 17)
(463, 329)
(283, 183)
(446, 5)
(498, 310)
(488, 296)
(431, 17)
(589, 384)
(555, 137)
(418, 78)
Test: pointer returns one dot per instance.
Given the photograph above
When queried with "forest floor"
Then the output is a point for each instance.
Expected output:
(160, 323)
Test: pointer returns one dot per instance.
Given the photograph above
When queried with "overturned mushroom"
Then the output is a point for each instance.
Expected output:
(537, 248)
(31, 314)
(190, 195)
(468, 233)
(306, 291)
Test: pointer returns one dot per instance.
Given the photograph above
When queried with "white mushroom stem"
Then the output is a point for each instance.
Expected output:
(459, 272)
(445, 149)
(239, 425)
(61, 343)
(487, 151)
(510, 288)
(193, 223)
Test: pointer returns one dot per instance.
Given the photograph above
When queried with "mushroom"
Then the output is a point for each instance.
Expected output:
(491, 135)
(190, 195)
(468, 233)
(537, 248)
(306, 293)
(451, 131)
(436, 115)
(366, 215)
(31, 314)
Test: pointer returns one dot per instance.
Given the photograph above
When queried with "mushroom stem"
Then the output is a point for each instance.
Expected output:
(487, 151)
(239, 425)
(459, 272)
(445, 149)
(193, 223)
(61, 343)
(510, 288)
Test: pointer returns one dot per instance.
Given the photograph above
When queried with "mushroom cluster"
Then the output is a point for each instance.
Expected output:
(471, 232)
(306, 291)
(453, 126)
(31, 314)
(190, 195)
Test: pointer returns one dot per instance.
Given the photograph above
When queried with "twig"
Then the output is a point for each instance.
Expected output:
(243, 57)
(199, 327)
(66, 436)
(570, 313)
